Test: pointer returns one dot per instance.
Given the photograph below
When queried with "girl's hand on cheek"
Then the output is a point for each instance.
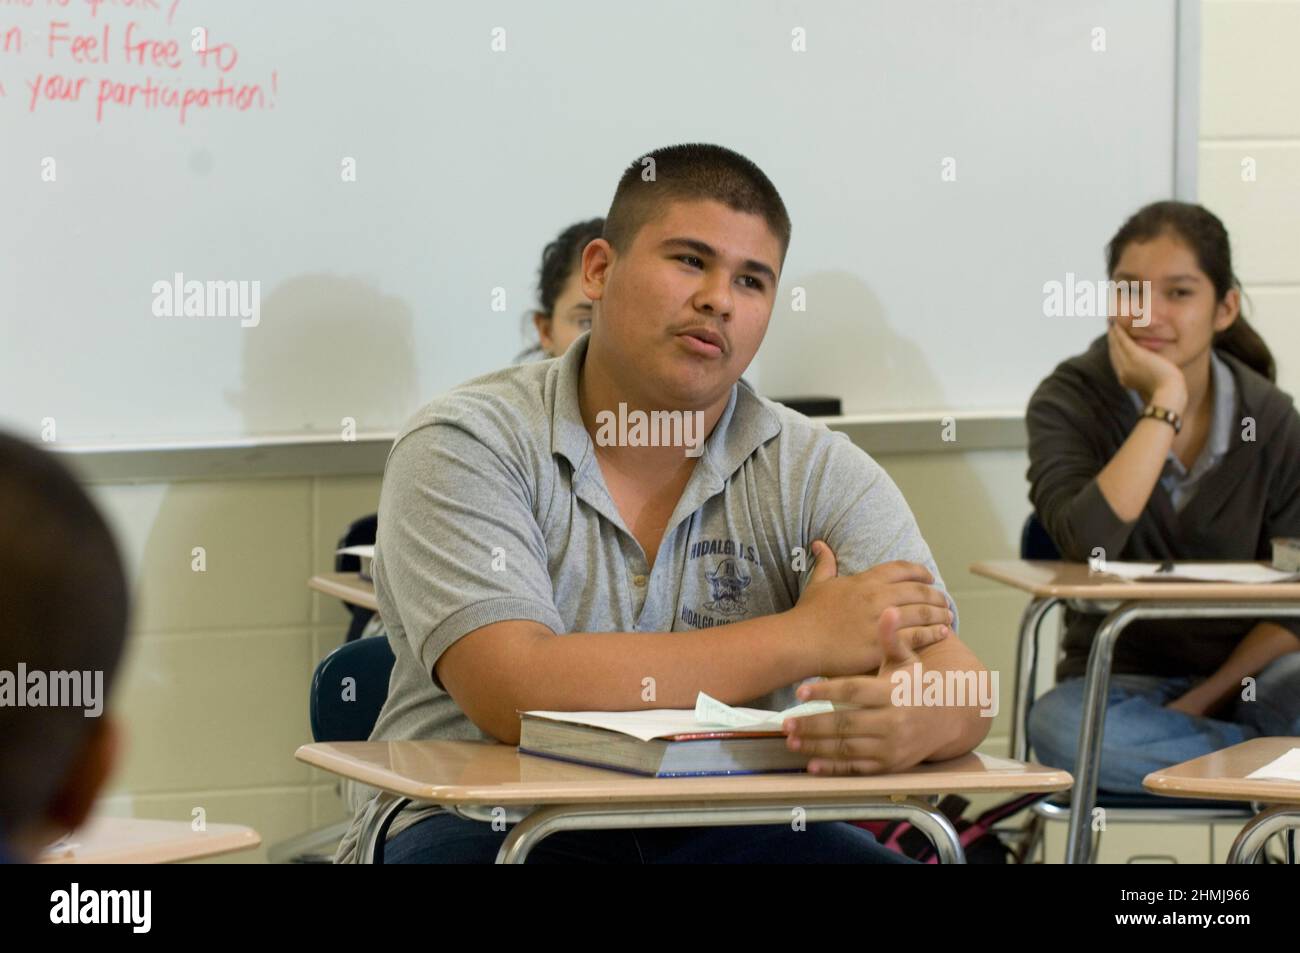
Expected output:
(1144, 371)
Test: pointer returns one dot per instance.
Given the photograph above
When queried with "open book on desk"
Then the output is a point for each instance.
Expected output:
(712, 738)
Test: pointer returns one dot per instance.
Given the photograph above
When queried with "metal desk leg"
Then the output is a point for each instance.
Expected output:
(1026, 668)
(545, 821)
(1283, 817)
(374, 831)
(1087, 761)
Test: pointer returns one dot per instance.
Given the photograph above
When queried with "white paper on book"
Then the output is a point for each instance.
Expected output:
(1246, 573)
(366, 552)
(709, 714)
(1285, 768)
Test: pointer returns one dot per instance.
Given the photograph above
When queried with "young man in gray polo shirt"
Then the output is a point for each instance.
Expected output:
(539, 548)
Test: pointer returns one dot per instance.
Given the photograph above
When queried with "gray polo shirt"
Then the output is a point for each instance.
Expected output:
(494, 507)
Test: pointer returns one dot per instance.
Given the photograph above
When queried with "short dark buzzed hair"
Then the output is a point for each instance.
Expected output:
(63, 607)
(688, 173)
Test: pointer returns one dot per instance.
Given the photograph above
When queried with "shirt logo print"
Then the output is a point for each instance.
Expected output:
(735, 568)
(727, 584)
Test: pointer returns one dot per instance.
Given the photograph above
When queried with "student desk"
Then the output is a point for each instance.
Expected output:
(348, 586)
(1049, 583)
(485, 781)
(1223, 775)
(128, 840)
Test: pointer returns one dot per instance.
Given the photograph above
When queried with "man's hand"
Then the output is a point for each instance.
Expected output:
(842, 615)
(875, 736)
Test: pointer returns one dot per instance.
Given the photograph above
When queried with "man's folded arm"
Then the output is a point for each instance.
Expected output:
(957, 730)
(501, 669)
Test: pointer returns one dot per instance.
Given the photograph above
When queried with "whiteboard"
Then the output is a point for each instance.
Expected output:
(379, 292)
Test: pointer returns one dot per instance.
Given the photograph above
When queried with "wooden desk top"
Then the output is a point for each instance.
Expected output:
(129, 840)
(348, 586)
(1222, 774)
(1075, 581)
(485, 773)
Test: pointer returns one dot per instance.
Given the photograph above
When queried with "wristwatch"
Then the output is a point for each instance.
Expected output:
(1170, 417)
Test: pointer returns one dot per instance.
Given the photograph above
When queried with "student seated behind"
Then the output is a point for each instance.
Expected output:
(526, 560)
(1114, 475)
(564, 314)
(63, 609)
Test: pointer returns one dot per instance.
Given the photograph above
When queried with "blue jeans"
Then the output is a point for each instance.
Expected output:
(447, 839)
(1141, 735)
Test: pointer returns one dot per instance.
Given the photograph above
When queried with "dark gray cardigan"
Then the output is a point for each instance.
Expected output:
(1077, 419)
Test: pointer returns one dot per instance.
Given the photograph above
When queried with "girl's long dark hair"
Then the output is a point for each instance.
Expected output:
(1202, 232)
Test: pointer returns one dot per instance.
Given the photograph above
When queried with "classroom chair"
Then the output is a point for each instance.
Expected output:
(1120, 808)
(337, 715)
(341, 711)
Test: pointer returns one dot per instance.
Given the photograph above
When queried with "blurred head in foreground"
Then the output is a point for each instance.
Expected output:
(63, 618)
